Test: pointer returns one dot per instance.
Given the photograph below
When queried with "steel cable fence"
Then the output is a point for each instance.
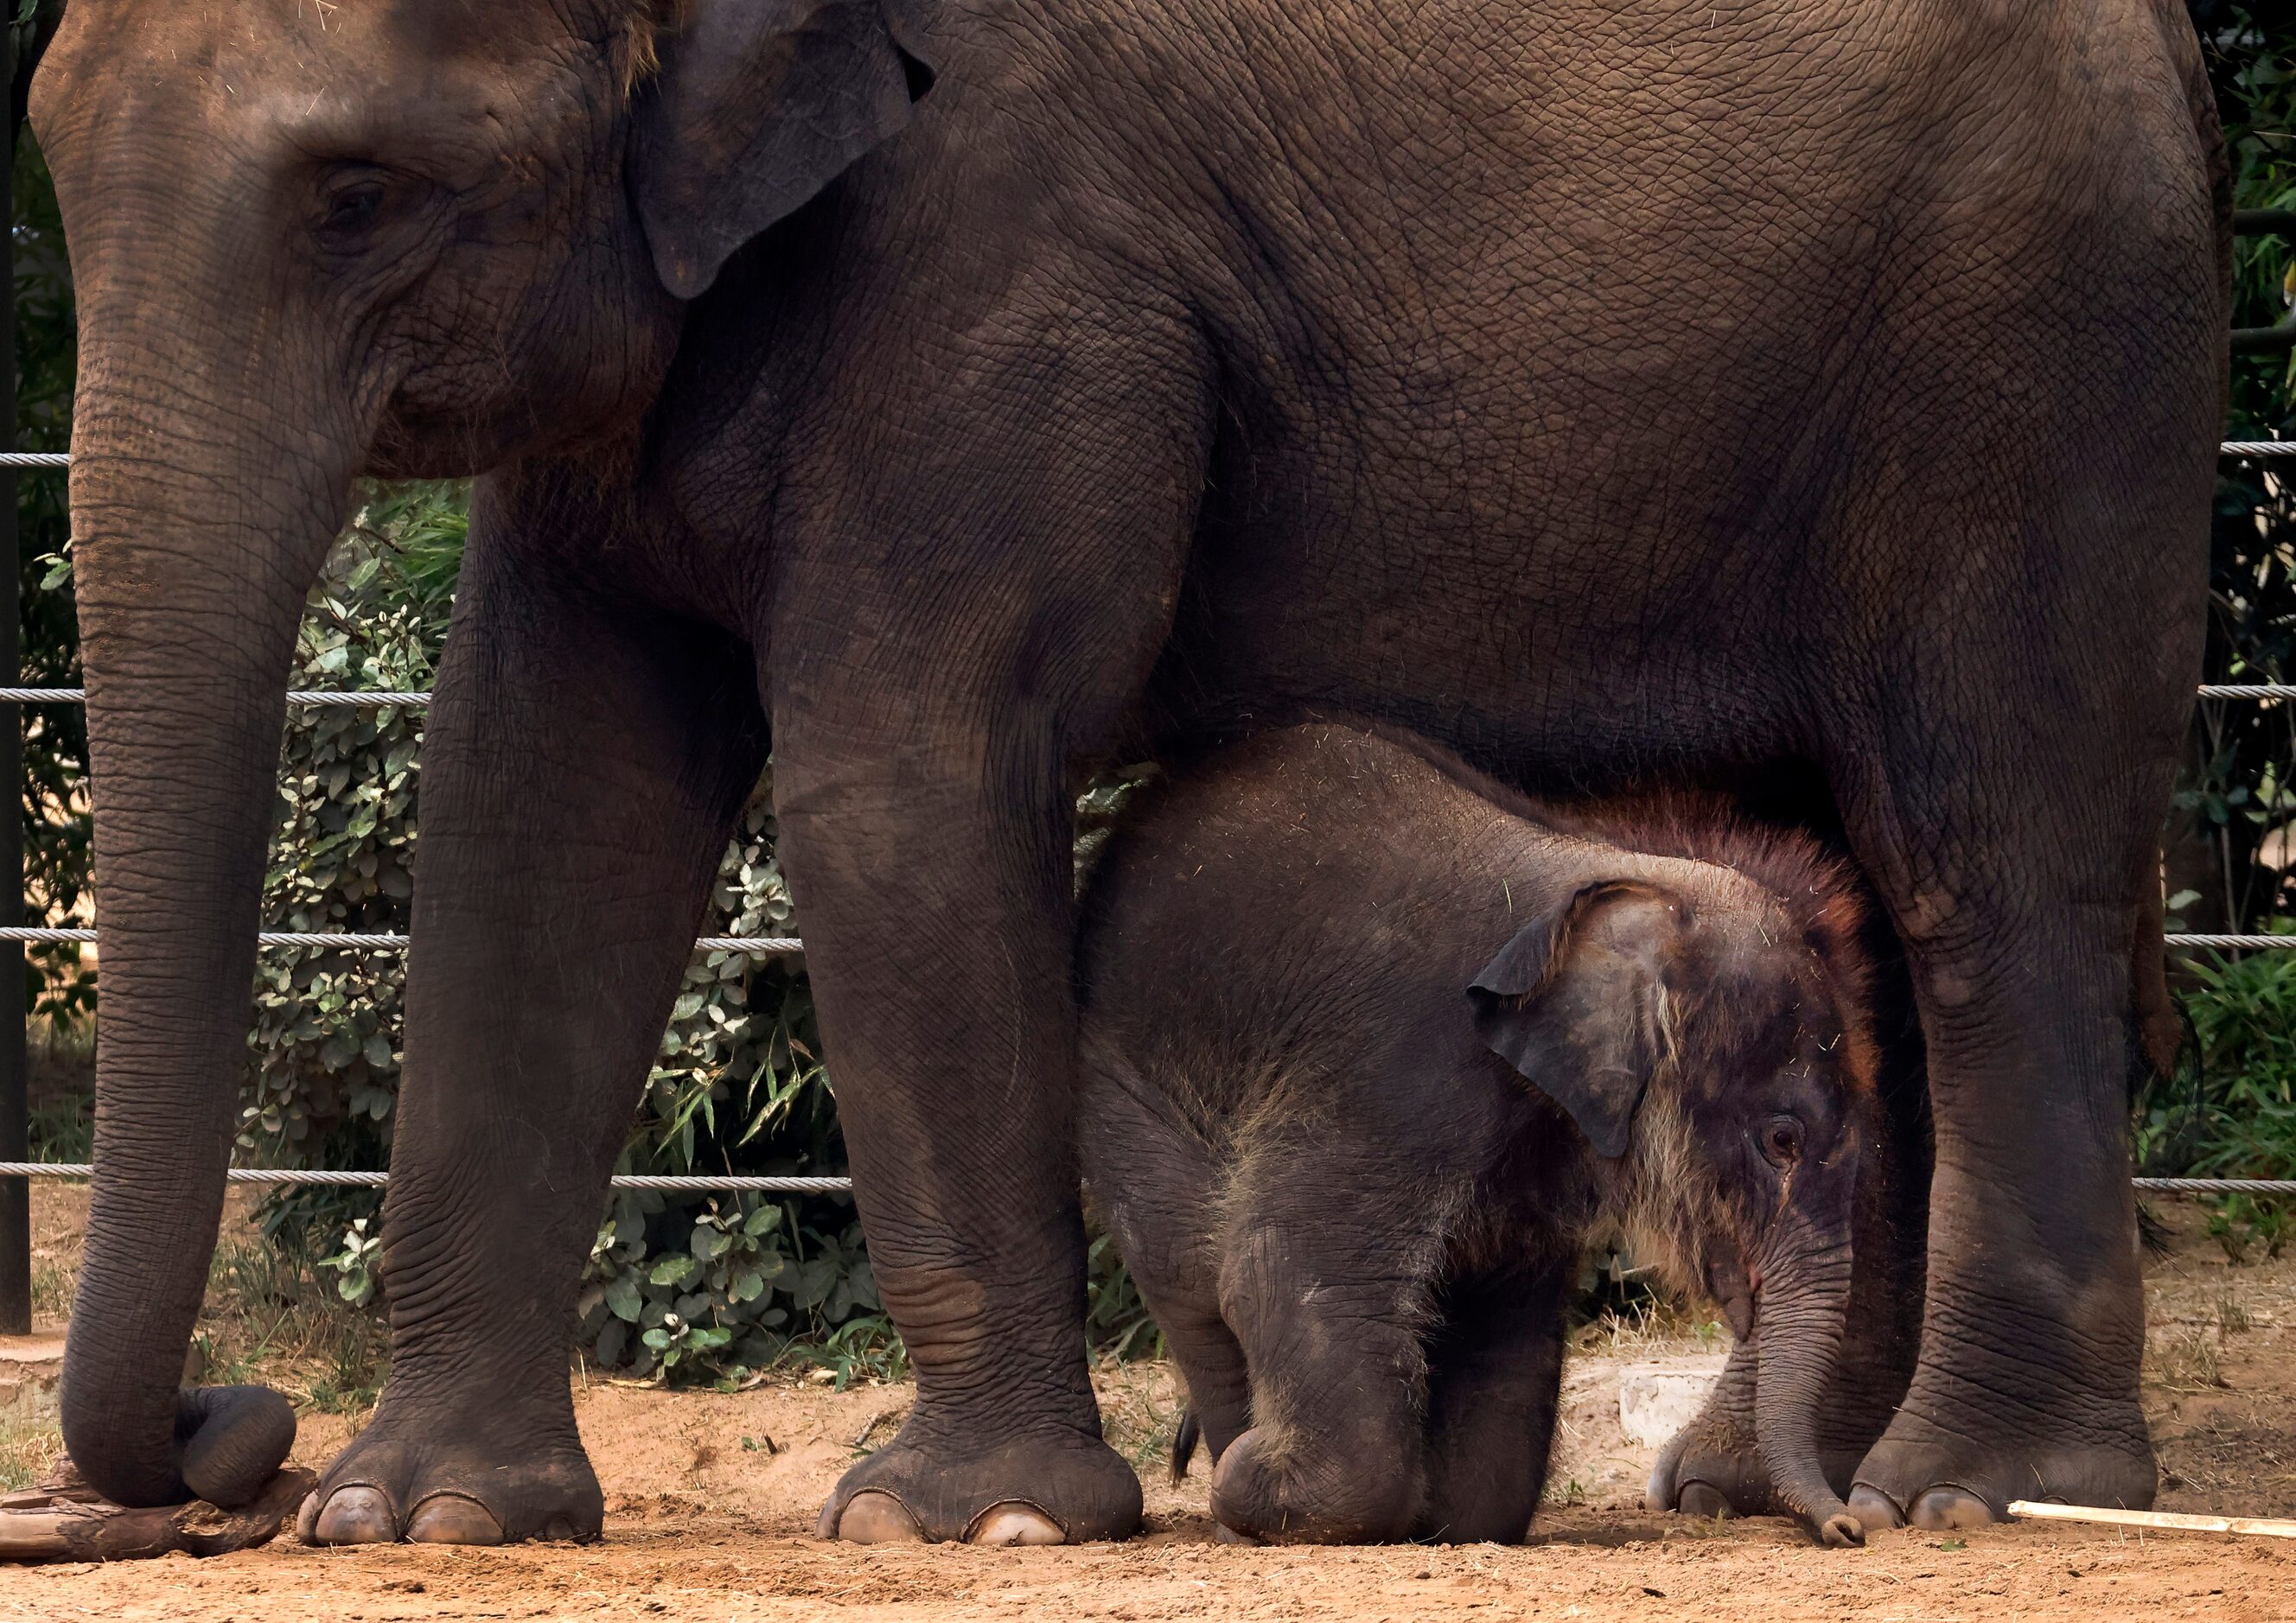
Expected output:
(791, 945)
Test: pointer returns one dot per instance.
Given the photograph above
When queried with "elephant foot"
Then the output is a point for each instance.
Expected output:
(1061, 1490)
(1342, 1498)
(444, 1484)
(1706, 1473)
(1713, 1469)
(1920, 1475)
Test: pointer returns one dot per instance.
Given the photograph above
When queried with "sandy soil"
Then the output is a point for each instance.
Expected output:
(709, 1497)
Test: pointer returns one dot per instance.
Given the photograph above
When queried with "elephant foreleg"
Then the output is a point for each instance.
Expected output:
(1494, 1381)
(583, 763)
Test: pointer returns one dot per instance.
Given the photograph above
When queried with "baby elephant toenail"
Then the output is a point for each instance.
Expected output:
(1013, 1522)
(306, 1518)
(1875, 1508)
(1224, 1534)
(1704, 1500)
(875, 1517)
(452, 1519)
(355, 1515)
(1943, 1510)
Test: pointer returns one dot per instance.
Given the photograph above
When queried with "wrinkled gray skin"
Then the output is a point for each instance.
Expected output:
(1372, 1048)
(1604, 389)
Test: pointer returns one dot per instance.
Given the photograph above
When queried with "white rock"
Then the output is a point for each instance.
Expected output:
(1657, 1399)
(31, 1369)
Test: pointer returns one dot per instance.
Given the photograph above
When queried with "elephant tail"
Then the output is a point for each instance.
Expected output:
(1184, 1444)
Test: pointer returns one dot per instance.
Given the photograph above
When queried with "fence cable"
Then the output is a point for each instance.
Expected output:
(684, 1184)
(776, 946)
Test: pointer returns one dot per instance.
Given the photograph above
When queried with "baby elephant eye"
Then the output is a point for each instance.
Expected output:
(1783, 1142)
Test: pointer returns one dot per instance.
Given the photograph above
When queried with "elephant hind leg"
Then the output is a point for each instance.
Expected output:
(1331, 1288)
(1155, 1183)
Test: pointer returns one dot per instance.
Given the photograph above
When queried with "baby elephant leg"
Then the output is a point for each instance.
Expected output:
(1155, 1182)
(1330, 1300)
(1493, 1378)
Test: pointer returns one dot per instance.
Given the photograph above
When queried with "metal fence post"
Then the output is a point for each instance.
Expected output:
(15, 1137)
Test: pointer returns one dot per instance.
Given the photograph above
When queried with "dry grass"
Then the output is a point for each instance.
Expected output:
(28, 1450)
(2185, 1357)
(1140, 1408)
(278, 1322)
(1649, 1325)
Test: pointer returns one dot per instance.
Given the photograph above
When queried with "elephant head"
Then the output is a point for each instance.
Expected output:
(397, 237)
(1717, 1058)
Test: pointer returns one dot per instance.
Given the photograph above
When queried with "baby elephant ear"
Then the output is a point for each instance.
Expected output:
(1573, 1002)
(756, 106)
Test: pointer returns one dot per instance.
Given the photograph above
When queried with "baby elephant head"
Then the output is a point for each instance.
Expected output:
(1709, 1045)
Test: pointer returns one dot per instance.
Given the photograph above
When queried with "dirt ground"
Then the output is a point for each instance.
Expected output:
(709, 1498)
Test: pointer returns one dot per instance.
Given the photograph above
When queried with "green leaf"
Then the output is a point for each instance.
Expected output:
(622, 1298)
(674, 1269)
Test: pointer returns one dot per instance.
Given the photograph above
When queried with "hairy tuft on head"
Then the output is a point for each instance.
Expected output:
(643, 23)
(1665, 1201)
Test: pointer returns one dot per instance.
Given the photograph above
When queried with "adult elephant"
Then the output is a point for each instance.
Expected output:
(1609, 390)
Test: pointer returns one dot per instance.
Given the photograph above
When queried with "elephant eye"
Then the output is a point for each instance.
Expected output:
(349, 210)
(354, 206)
(1782, 1142)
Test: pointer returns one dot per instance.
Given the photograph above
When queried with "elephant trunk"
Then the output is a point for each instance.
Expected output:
(1800, 1315)
(197, 534)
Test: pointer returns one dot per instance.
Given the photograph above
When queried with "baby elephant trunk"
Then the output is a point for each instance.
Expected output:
(1799, 1317)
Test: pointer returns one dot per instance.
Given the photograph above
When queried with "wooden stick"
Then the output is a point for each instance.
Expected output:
(2264, 1526)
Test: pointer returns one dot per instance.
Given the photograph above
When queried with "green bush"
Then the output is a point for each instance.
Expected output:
(2233, 1114)
(2226, 853)
(675, 1283)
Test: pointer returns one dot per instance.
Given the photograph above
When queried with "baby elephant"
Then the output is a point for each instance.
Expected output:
(1373, 1046)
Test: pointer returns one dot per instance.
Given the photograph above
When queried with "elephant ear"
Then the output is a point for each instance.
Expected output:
(756, 105)
(1574, 1002)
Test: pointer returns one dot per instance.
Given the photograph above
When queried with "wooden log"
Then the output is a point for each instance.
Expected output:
(2171, 1522)
(63, 1520)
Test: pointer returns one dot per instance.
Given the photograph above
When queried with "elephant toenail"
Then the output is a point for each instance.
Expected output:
(1875, 1508)
(306, 1518)
(1704, 1500)
(1224, 1534)
(452, 1519)
(562, 1531)
(873, 1516)
(356, 1514)
(1014, 1523)
(1950, 1510)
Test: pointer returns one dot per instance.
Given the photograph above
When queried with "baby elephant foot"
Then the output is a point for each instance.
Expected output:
(385, 1488)
(1339, 1495)
(1713, 1468)
(1061, 1489)
(1709, 1476)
